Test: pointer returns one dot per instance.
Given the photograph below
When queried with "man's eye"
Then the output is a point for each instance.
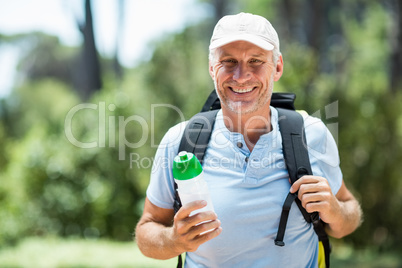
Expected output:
(255, 61)
(229, 62)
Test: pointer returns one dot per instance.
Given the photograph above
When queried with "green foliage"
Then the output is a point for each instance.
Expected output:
(177, 75)
(370, 141)
(39, 51)
(51, 186)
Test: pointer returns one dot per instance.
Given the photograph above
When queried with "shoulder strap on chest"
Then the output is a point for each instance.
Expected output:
(195, 139)
(295, 152)
(197, 134)
(294, 144)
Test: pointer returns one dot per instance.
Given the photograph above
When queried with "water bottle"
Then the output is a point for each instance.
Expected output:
(188, 174)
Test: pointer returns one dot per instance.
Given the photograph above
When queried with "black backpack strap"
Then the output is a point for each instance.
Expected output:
(284, 219)
(212, 103)
(297, 162)
(179, 262)
(283, 100)
(294, 146)
(197, 134)
(319, 228)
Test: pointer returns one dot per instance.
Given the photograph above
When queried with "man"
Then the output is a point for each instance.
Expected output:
(245, 170)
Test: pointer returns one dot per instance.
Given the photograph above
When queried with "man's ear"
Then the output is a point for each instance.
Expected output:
(279, 69)
(211, 71)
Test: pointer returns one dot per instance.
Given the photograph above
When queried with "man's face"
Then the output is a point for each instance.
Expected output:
(244, 75)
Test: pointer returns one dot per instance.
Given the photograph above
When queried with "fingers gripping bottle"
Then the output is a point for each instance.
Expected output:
(188, 174)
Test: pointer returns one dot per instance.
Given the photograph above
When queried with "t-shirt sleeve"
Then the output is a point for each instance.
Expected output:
(323, 152)
(160, 190)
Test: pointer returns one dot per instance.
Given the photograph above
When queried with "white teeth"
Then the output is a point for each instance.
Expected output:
(242, 90)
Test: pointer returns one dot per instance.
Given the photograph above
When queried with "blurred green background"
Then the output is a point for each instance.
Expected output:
(79, 129)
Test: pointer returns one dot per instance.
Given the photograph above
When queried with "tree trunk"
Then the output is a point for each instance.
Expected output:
(313, 27)
(220, 9)
(89, 79)
(118, 70)
(396, 54)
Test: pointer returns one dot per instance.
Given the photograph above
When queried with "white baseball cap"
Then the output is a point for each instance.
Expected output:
(244, 27)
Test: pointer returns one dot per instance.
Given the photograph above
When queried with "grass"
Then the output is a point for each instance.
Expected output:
(80, 253)
(77, 253)
(346, 257)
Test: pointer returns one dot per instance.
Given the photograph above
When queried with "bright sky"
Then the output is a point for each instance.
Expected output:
(145, 20)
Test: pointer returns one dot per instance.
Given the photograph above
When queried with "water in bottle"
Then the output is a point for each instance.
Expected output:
(189, 176)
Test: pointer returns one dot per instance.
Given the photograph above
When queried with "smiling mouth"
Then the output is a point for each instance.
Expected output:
(242, 90)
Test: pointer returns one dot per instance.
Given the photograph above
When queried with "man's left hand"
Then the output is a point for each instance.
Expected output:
(315, 194)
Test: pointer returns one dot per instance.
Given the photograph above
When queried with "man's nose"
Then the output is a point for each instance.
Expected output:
(241, 73)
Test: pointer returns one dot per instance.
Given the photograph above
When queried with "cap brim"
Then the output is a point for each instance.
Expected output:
(258, 41)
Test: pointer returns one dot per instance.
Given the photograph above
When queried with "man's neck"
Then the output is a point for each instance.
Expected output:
(252, 126)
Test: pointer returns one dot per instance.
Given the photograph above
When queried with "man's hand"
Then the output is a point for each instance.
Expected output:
(162, 235)
(342, 212)
(315, 195)
(188, 231)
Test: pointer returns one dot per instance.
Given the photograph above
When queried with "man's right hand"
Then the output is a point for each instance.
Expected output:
(188, 231)
(157, 238)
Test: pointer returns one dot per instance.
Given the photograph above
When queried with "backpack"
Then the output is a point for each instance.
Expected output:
(196, 137)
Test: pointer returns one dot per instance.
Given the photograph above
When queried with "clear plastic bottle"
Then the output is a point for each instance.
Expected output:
(189, 176)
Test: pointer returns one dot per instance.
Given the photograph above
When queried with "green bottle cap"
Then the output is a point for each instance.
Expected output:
(186, 166)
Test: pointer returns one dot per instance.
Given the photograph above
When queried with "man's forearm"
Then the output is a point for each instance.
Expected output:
(350, 218)
(154, 240)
